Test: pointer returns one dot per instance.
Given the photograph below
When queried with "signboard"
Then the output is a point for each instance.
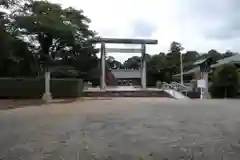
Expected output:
(201, 83)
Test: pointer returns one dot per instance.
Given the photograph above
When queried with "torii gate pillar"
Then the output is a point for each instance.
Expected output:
(142, 42)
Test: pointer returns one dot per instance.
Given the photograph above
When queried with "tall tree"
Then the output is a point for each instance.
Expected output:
(113, 63)
(190, 56)
(133, 63)
(5, 3)
(173, 57)
(228, 53)
(215, 55)
(176, 47)
(157, 61)
(225, 81)
(15, 57)
(155, 69)
(56, 32)
(9, 3)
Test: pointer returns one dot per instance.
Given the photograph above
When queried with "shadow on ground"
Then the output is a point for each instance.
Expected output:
(13, 104)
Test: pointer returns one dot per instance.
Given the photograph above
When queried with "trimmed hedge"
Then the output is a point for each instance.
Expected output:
(21, 88)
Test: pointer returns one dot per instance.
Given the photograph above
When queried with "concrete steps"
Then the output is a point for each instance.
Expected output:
(126, 93)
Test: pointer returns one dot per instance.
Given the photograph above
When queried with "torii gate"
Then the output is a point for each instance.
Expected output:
(105, 50)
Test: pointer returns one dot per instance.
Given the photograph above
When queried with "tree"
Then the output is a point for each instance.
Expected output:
(4, 43)
(113, 63)
(225, 81)
(5, 3)
(228, 54)
(156, 69)
(176, 47)
(215, 55)
(9, 3)
(15, 57)
(190, 56)
(157, 61)
(57, 33)
(39, 32)
(173, 57)
(133, 63)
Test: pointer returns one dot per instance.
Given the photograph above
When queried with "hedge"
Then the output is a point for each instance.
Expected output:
(225, 82)
(15, 88)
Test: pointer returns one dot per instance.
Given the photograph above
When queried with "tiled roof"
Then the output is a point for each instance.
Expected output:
(193, 70)
(200, 61)
(232, 59)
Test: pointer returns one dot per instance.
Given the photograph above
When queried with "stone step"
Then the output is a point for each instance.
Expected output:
(139, 93)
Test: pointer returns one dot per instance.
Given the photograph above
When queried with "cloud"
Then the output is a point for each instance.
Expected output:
(198, 24)
(143, 28)
(219, 18)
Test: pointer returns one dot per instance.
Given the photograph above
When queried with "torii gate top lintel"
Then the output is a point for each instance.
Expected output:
(125, 41)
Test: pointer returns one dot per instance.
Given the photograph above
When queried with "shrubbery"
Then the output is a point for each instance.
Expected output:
(34, 88)
(225, 82)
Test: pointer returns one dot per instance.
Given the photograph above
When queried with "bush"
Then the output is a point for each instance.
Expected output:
(225, 82)
(34, 88)
(222, 92)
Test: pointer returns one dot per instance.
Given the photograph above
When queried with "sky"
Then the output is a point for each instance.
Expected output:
(198, 25)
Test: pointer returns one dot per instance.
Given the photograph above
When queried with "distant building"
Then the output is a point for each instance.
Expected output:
(127, 76)
(194, 71)
(229, 60)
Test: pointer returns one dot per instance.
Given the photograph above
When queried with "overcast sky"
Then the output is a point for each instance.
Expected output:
(198, 24)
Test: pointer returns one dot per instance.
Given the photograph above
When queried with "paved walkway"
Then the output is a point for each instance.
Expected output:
(122, 128)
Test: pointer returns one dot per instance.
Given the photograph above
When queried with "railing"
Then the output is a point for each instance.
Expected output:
(172, 90)
(181, 87)
(165, 85)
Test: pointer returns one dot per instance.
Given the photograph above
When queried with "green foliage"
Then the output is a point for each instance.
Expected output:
(226, 75)
(155, 69)
(133, 63)
(176, 47)
(9, 3)
(190, 56)
(34, 88)
(113, 63)
(55, 29)
(215, 55)
(157, 61)
(225, 81)
(229, 54)
(64, 72)
(17, 60)
(42, 32)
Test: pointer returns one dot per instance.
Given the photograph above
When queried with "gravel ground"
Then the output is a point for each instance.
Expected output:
(122, 129)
